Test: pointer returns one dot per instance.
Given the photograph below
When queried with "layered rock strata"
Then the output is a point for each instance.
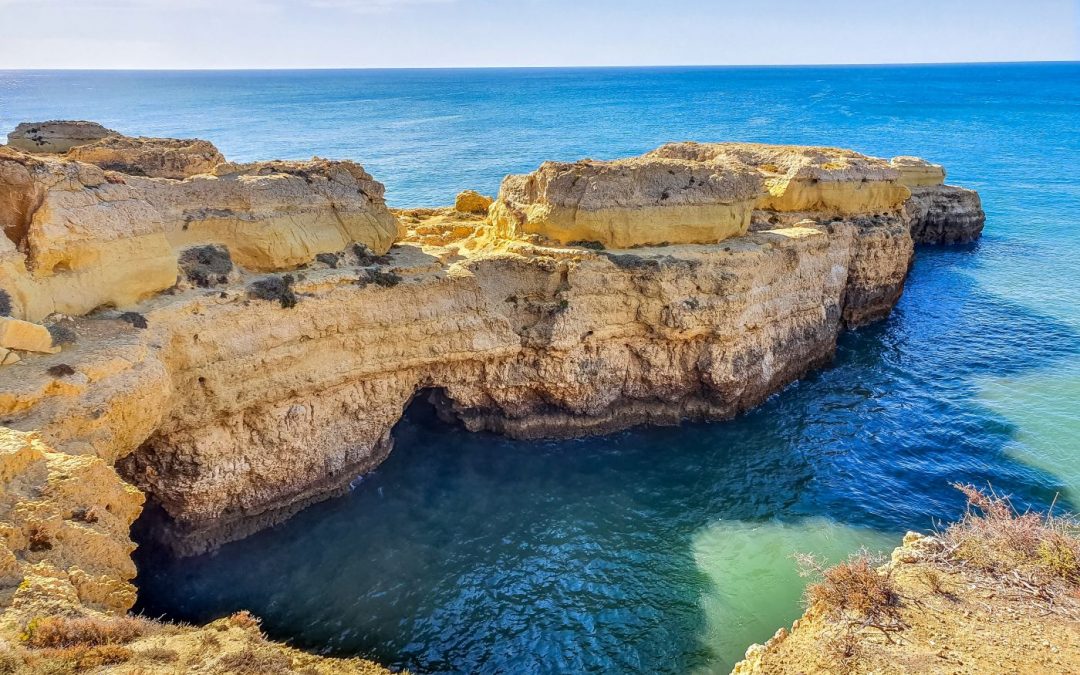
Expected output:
(240, 395)
(80, 237)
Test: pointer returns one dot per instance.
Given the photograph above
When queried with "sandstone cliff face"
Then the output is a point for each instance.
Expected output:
(64, 522)
(939, 213)
(944, 214)
(803, 178)
(79, 237)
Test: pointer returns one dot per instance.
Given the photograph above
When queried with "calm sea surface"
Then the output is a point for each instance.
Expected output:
(654, 550)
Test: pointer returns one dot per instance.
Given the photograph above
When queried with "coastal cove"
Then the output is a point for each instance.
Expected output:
(654, 548)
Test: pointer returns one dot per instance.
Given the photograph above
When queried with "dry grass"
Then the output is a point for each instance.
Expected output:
(159, 654)
(250, 661)
(59, 632)
(1039, 553)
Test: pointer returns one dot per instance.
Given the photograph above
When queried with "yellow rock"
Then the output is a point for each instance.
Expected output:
(471, 201)
(631, 202)
(806, 178)
(26, 336)
(79, 238)
(915, 172)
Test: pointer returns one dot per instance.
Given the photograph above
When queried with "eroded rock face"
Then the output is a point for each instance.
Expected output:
(151, 157)
(80, 237)
(64, 518)
(944, 214)
(57, 136)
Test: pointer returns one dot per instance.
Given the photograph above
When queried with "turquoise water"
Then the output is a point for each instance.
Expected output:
(653, 550)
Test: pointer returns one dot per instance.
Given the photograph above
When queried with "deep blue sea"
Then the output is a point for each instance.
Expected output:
(668, 549)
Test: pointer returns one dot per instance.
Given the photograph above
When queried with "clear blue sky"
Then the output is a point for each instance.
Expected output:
(407, 33)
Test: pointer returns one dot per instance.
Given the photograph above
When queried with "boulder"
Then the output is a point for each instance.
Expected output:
(471, 201)
(26, 336)
(57, 136)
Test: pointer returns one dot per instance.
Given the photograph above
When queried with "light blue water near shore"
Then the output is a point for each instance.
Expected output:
(654, 550)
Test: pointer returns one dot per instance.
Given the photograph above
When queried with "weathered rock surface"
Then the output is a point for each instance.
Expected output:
(79, 237)
(57, 136)
(64, 518)
(152, 157)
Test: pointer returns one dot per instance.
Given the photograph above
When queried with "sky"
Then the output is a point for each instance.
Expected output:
(458, 33)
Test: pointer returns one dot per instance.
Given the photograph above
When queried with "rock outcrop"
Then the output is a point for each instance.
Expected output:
(471, 201)
(80, 237)
(152, 157)
(243, 394)
(939, 213)
(634, 202)
(57, 136)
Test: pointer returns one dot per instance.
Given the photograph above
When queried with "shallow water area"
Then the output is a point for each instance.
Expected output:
(664, 549)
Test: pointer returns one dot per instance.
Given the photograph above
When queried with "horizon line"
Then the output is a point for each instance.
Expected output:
(536, 67)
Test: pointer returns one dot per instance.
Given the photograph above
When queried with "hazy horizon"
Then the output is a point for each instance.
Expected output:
(565, 67)
(380, 34)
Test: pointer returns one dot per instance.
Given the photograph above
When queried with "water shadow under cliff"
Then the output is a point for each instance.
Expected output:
(644, 550)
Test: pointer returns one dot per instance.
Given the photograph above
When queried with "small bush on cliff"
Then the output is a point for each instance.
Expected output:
(206, 266)
(854, 591)
(61, 632)
(994, 538)
(365, 258)
(328, 259)
(275, 288)
(379, 278)
(5, 303)
(61, 335)
(60, 370)
(135, 319)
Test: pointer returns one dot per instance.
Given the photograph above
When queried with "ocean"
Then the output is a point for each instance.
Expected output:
(656, 549)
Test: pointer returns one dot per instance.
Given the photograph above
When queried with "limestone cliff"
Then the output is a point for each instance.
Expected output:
(79, 237)
(234, 396)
